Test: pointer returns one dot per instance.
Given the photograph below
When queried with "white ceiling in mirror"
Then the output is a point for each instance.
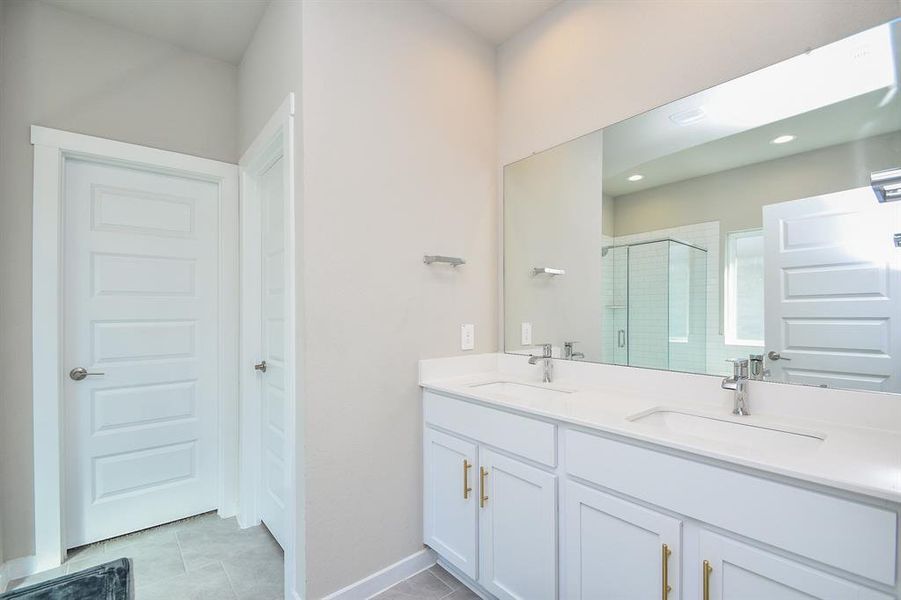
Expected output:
(817, 97)
(220, 29)
(494, 20)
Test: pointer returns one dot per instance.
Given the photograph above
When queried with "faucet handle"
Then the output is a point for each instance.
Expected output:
(547, 349)
(739, 367)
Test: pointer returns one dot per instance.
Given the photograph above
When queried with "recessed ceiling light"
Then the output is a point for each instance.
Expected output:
(636, 177)
(782, 139)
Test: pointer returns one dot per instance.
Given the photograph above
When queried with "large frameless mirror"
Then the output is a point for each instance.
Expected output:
(759, 219)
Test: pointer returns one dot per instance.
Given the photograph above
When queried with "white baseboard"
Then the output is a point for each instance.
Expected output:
(387, 577)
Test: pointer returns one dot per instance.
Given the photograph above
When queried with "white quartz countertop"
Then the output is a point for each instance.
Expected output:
(863, 460)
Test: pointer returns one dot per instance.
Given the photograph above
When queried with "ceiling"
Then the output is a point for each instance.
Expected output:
(494, 20)
(220, 29)
(849, 121)
(842, 92)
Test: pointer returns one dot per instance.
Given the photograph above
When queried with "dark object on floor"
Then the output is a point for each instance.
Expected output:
(109, 581)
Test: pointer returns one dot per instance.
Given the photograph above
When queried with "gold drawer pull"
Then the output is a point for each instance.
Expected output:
(466, 488)
(707, 571)
(665, 560)
(483, 497)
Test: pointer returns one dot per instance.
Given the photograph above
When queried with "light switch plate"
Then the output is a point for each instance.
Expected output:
(526, 334)
(467, 336)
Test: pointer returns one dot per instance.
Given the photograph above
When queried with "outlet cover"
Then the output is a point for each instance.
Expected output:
(467, 336)
(526, 334)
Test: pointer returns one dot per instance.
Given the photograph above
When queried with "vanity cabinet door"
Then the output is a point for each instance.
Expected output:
(518, 531)
(451, 499)
(617, 549)
(737, 571)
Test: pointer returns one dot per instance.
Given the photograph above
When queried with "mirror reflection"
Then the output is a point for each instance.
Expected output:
(757, 220)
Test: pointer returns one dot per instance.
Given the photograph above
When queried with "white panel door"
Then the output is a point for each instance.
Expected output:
(273, 474)
(740, 572)
(618, 549)
(141, 307)
(451, 500)
(517, 529)
(833, 291)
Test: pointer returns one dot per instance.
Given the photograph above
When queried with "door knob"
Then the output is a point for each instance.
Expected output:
(773, 355)
(79, 373)
(260, 366)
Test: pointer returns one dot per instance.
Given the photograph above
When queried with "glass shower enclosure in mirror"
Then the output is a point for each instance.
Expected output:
(655, 299)
(757, 219)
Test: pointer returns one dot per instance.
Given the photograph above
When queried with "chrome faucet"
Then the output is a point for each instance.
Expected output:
(757, 367)
(568, 353)
(548, 374)
(739, 384)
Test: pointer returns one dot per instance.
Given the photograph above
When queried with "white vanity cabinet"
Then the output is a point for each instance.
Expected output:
(618, 549)
(517, 529)
(491, 516)
(451, 508)
(629, 520)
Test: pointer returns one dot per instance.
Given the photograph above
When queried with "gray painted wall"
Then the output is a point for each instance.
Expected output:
(399, 137)
(70, 72)
(389, 173)
(736, 197)
(2, 395)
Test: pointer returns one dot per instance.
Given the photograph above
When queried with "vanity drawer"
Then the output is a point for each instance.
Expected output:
(529, 438)
(858, 538)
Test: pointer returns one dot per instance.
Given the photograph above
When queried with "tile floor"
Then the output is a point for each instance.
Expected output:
(432, 584)
(201, 558)
(208, 558)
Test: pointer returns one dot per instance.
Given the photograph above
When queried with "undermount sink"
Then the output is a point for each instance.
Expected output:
(731, 431)
(521, 391)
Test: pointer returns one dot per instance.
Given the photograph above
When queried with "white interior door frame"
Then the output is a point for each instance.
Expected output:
(275, 140)
(52, 148)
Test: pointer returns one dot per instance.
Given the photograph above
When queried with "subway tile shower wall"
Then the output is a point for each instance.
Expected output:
(654, 324)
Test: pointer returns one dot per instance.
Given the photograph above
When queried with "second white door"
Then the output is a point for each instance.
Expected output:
(273, 473)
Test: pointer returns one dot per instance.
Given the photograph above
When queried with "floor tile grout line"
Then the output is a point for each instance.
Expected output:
(228, 578)
(441, 579)
(181, 553)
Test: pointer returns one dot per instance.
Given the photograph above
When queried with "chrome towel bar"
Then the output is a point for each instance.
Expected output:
(547, 271)
(436, 258)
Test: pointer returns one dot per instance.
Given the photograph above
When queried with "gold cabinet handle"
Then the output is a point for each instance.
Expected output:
(483, 497)
(466, 489)
(664, 559)
(706, 574)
